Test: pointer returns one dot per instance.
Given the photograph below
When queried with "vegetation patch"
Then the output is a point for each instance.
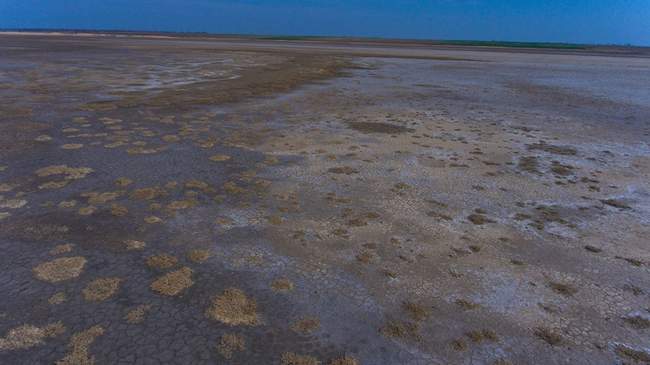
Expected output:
(345, 360)
(198, 255)
(282, 285)
(137, 314)
(162, 261)
(384, 128)
(64, 268)
(173, 283)
(306, 325)
(234, 308)
(101, 289)
(548, 336)
(28, 336)
(290, 358)
(79, 353)
(231, 343)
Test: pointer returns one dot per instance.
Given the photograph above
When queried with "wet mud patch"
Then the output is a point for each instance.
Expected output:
(379, 127)
(557, 150)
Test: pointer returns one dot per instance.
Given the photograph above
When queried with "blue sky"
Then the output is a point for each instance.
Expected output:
(579, 21)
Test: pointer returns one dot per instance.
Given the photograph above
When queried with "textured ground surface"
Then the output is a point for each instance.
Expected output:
(177, 202)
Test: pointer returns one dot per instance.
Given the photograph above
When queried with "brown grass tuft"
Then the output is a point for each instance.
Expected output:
(234, 308)
(60, 269)
(290, 358)
(136, 315)
(27, 336)
(231, 343)
(79, 344)
(57, 298)
(101, 289)
(173, 283)
(482, 335)
(198, 255)
(403, 330)
(632, 354)
(416, 311)
(282, 285)
(162, 261)
(345, 360)
(564, 289)
(548, 336)
(60, 249)
(306, 325)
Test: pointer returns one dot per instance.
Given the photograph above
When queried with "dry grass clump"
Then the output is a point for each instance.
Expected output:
(379, 127)
(459, 345)
(616, 203)
(344, 170)
(101, 289)
(123, 181)
(290, 358)
(95, 198)
(548, 336)
(478, 219)
(134, 245)
(53, 184)
(87, 210)
(27, 336)
(482, 335)
(13, 203)
(637, 321)
(57, 298)
(102, 198)
(466, 304)
(5, 188)
(403, 330)
(639, 356)
(198, 255)
(219, 158)
(136, 315)
(148, 193)
(416, 311)
(234, 308)
(345, 360)
(306, 325)
(72, 146)
(231, 343)
(60, 249)
(282, 285)
(153, 219)
(173, 283)
(79, 344)
(181, 204)
(119, 210)
(67, 204)
(60, 269)
(71, 173)
(564, 289)
(558, 150)
(162, 261)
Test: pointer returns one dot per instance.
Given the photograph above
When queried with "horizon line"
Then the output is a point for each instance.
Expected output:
(351, 37)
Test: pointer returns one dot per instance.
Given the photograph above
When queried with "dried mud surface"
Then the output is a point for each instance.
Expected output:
(168, 201)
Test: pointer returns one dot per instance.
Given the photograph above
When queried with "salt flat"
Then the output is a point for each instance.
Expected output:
(237, 201)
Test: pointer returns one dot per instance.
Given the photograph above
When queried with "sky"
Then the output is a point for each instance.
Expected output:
(572, 21)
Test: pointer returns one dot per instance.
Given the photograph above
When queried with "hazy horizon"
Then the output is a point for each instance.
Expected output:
(619, 22)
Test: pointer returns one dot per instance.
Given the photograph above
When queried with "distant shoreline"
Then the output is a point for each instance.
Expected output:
(352, 39)
(362, 47)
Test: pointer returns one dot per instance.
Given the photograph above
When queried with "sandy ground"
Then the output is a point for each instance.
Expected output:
(182, 201)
